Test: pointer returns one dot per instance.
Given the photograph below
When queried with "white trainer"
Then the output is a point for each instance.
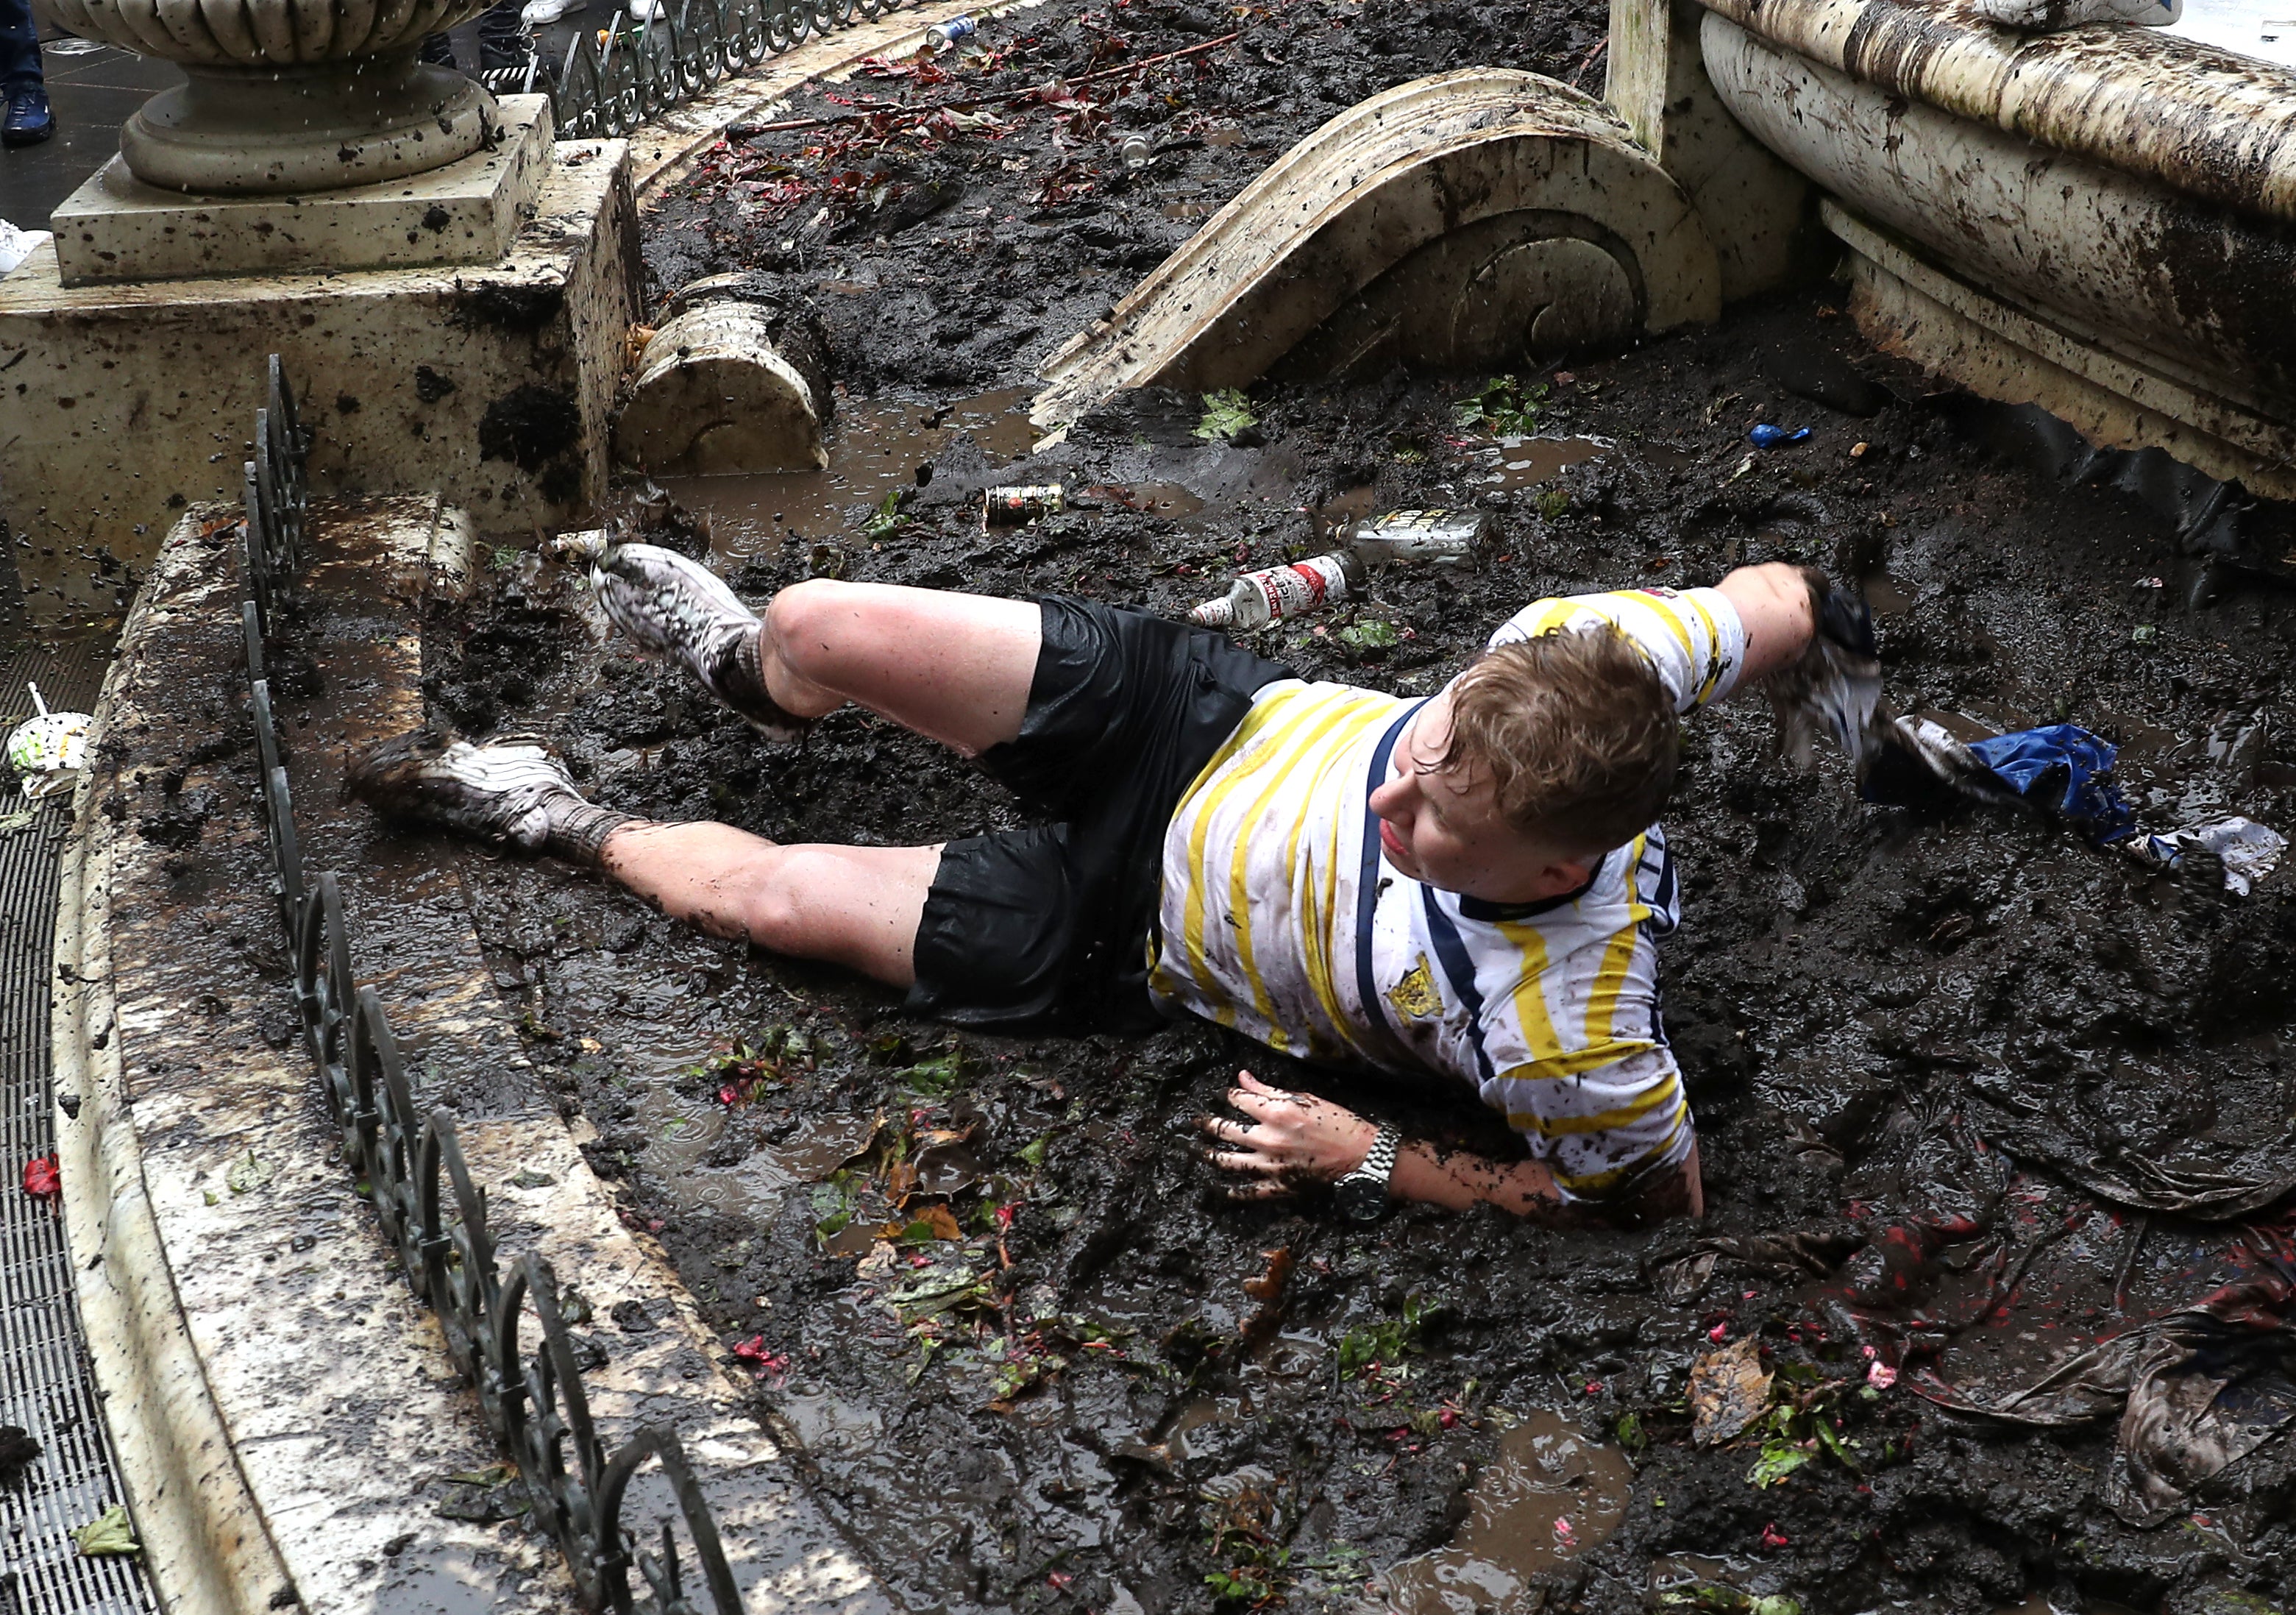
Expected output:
(673, 608)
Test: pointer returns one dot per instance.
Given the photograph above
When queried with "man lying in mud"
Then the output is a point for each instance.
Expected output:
(1463, 888)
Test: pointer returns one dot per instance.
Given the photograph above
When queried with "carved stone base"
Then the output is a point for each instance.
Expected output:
(282, 131)
(115, 228)
(487, 384)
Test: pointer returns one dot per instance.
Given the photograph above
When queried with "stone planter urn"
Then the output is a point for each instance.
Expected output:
(289, 96)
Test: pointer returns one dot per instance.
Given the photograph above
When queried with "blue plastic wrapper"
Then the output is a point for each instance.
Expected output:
(2063, 766)
(1767, 435)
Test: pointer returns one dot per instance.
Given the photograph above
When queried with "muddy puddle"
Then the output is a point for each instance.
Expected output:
(1518, 463)
(1547, 1496)
(875, 449)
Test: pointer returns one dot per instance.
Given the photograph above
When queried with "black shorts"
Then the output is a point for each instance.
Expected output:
(1048, 927)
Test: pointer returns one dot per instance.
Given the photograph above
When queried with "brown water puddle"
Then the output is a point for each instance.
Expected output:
(1528, 461)
(1548, 1496)
(1168, 499)
(1887, 596)
(875, 449)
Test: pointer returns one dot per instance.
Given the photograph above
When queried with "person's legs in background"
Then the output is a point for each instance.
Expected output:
(27, 121)
(508, 63)
(507, 52)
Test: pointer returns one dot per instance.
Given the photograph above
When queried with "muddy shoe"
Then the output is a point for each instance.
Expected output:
(673, 607)
(510, 791)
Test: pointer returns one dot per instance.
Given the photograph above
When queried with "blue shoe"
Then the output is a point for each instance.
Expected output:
(28, 121)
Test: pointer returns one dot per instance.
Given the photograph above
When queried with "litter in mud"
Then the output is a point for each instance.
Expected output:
(48, 749)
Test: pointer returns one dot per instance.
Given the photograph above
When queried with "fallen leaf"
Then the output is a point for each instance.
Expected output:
(41, 1179)
(109, 1533)
(1727, 1391)
(754, 1350)
(249, 1172)
(1270, 1284)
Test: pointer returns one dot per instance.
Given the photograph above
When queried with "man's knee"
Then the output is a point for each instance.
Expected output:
(812, 625)
(774, 904)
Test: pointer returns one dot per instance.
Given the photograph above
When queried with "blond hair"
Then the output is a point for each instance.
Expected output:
(1575, 730)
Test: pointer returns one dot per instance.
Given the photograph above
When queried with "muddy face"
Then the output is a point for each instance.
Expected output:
(1033, 1356)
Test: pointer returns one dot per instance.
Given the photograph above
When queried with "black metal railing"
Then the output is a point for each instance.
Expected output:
(685, 49)
(431, 1210)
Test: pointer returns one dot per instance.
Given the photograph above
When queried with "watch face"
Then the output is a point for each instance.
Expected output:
(1362, 1200)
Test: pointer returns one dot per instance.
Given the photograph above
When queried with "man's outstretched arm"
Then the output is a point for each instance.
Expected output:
(1295, 1141)
(1774, 605)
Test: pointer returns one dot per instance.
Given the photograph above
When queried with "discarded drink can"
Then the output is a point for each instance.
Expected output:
(941, 36)
(1260, 597)
(1015, 506)
(2249, 850)
(585, 548)
(1444, 537)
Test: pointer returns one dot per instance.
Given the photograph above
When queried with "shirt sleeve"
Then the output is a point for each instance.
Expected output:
(1692, 638)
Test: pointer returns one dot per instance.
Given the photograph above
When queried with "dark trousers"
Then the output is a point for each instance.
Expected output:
(19, 45)
(500, 37)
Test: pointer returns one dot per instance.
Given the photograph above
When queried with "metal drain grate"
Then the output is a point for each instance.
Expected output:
(43, 1378)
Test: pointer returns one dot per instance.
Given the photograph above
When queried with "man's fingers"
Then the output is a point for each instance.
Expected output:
(1261, 1106)
(1250, 1083)
(1240, 1160)
(1236, 1133)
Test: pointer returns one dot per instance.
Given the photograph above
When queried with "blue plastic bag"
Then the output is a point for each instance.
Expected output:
(2063, 767)
(1767, 435)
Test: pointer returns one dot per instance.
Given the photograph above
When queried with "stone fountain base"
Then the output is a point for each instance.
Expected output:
(487, 383)
(116, 227)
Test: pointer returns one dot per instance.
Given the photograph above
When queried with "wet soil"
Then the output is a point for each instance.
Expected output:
(1034, 1359)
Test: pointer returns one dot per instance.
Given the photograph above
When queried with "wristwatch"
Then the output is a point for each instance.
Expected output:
(1362, 1193)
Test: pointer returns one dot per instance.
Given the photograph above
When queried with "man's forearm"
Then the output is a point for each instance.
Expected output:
(1773, 602)
(1456, 1180)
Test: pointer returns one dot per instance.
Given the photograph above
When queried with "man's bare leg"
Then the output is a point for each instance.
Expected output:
(956, 667)
(858, 906)
(953, 667)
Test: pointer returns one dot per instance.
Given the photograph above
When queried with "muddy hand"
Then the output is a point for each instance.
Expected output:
(1291, 1142)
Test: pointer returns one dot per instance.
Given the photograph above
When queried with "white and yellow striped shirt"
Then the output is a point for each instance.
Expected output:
(1282, 918)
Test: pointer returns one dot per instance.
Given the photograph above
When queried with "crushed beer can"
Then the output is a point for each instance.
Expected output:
(941, 36)
(1017, 507)
(1444, 536)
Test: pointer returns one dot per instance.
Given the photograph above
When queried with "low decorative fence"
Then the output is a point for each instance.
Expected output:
(685, 49)
(423, 1191)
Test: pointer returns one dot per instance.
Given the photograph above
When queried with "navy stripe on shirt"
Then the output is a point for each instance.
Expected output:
(1367, 879)
(1451, 953)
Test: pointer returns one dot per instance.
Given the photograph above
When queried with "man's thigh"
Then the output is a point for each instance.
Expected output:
(954, 667)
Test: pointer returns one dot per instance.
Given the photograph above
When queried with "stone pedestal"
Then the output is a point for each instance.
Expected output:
(486, 384)
(115, 228)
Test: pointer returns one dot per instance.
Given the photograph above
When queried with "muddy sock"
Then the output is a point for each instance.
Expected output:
(578, 831)
(740, 678)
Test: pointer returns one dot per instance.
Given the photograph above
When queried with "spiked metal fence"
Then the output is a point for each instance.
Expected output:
(425, 1197)
(686, 49)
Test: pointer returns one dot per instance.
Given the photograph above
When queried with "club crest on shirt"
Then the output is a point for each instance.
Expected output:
(1414, 997)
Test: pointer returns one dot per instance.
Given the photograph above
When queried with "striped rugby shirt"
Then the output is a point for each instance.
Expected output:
(1282, 918)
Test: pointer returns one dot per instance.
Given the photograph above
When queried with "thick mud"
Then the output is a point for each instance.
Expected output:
(1953, 1073)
